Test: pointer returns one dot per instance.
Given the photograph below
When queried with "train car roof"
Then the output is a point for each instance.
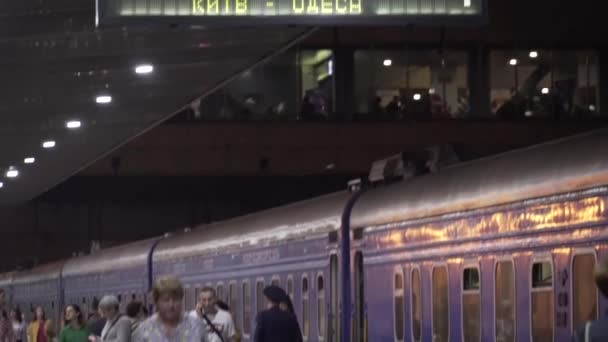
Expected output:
(111, 259)
(39, 273)
(6, 279)
(299, 219)
(562, 166)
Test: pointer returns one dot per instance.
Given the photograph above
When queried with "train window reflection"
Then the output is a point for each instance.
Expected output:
(246, 309)
(416, 305)
(471, 305)
(441, 325)
(542, 301)
(504, 301)
(220, 291)
(398, 304)
(232, 300)
(290, 286)
(584, 292)
(260, 295)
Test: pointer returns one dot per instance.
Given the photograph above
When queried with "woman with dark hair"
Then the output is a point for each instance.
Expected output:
(18, 326)
(35, 331)
(6, 328)
(74, 329)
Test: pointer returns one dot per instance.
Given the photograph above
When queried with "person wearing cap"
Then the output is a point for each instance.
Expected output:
(596, 331)
(117, 327)
(275, 324)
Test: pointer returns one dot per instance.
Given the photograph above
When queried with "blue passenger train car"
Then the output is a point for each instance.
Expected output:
(500, 249)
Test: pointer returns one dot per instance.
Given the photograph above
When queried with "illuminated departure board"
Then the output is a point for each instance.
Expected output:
(304, 12)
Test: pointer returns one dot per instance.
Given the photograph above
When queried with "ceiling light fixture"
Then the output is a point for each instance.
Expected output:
(73, 124)
(513, 62)
(29, 160)
(387, 62)
(12, 173)
(545, 90)
(48, 144)
(467, 3)
(143, 69)
(1, 185)
(103, 99)
(417, 97)
(533, 54)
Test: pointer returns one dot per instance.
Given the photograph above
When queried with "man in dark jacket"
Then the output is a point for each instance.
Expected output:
(596, 331)
(274, 324)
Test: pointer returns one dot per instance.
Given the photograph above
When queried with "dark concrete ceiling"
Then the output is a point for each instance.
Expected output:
(54, 63)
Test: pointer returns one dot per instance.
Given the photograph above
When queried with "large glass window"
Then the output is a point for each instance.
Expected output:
(504, 303)
(584, 292)
(441, 325)
(542, 301)
(411, 84)
(246, 309)
(544, 84)
(416, 305)
(398, 304)
(471, 305)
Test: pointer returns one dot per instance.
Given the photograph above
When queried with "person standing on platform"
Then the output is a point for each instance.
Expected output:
(96, 321)
(169, 323)
(137, 314)
(275, 324)
(19, 327)
(6, 328)
(36, 331)
(74, 329)
(118, 326)
(218, 322)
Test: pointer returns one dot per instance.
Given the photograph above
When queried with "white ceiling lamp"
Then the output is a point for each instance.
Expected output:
(513, 62)
(467, 3)
(1, 185)
(29, 160)
(431, 91)
(143, 69)
(73, 124)
(387, 62)
(48, 144)
(417, 97)
(533, 54)
(12, 173)
(545, 90)
(103, 99)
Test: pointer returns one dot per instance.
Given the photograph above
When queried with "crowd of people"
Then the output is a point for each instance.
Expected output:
(211, 321)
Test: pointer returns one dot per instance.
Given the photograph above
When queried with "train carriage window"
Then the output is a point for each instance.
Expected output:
(220, 292)
(504, 301)
(441, 325)
(232, 300)
(260, 295)
(542, 301)
(584, 292)
(246, 308)
(416, 305)
(290, 286)
(471, 305)
(398, 304)
(321, 306)
(305, 318)
(188, 297)
(276, 281)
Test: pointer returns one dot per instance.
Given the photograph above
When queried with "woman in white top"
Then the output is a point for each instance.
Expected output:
(19, 327)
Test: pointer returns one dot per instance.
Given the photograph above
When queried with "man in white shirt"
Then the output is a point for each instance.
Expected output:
(221, 320)
(118, 327)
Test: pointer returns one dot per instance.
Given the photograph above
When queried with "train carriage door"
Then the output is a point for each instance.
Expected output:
(360, 330)
(334, 328)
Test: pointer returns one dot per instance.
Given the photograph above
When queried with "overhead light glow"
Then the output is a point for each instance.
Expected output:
(387, 62)
(73, 124)
(529, 113)
(417, 97)
(29, 160)
(12, 173)
(513, 62)
(431, 91)
(545, 90)
(1, 185)
(467, 3)
(592, 108)
(533, 54)
(102, 99)
(144, 69)
(48, 144)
